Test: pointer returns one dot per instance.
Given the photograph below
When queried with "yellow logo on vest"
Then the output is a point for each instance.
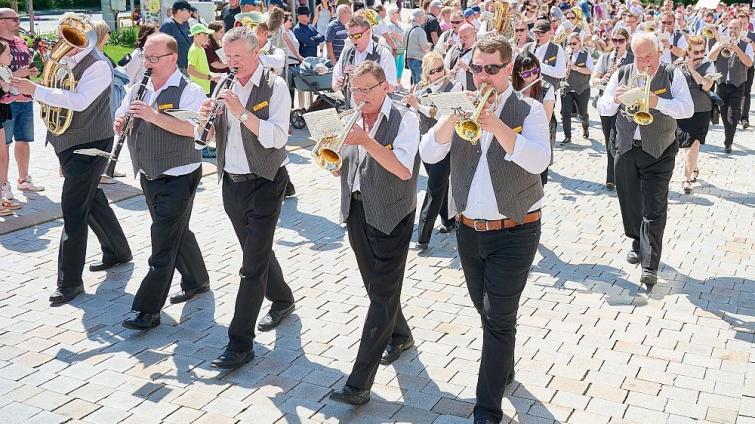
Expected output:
(659, 91)
(165, 106)
(389, 146)
(517, 130)
(551, 59)
(259, 106)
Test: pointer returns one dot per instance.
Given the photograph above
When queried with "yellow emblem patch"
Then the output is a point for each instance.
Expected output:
(165, 106)
(659, 91)
(259, 106)
(389, 146)
(517, 130)
(551, 59)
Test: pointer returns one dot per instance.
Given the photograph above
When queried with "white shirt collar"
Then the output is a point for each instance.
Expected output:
(370, 47)
(173, 81)
(385, 110)
(80, 55)
(256, 77)
(502, 98)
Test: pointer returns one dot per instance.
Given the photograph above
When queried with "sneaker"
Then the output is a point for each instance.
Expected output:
(7, 193)
(27, 185)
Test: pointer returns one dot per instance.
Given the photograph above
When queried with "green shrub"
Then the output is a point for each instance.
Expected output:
(125, 36)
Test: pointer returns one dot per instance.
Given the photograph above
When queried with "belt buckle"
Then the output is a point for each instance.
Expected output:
(477, 228)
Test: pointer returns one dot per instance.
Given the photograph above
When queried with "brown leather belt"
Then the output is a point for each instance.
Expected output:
(500, 224)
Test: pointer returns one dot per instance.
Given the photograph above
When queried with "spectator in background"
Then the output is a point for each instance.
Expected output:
(21, 126)
(445, 18)
(178, 27)
(309, 38)
(324, 12)
(199, 67)
(416, 45)
(133, 63)
(213, 45)
(431, 25)
(394, 36)
(229, 12)
(337, 34)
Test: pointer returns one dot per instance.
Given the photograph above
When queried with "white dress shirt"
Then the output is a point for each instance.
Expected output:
(387, 62)
(558, 70)
(461, 75)
(404, 146)
(588, 63)
(666, 53)
(191, 99)
(274, 59)
(273, 131)
(532, 152)
(679, 106)
(92, 83)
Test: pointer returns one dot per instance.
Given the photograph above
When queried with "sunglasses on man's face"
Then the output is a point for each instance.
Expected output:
(489, 69)
(357, 35)
(696, 52)
(573, 44)
(520, 30)
(618, 40)
(436, 70)
(456, 22)
(530, 72)
(667, 22)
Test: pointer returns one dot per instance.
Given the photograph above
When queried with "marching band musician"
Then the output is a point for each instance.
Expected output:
(645, 153)
(521, 37)
(608, 63)
(552, 60)
(362, 49)
(82, 201)
(450, 38)
(693, 130)
(251, 135)
(378, 203)
(458, 57)
(169, 165)
(749, 36)
(673, 41)
(435, 79)
(577, 87)
(731, 87)
(496, 189)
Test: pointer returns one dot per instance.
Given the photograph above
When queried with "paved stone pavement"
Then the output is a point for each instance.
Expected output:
(591, 346)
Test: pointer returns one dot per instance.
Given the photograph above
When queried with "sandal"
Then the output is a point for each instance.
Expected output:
(695, 173)
(687, 186)
(9, 205)
(5, 212)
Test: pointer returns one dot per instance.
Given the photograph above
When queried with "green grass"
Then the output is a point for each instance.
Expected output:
(117, 52)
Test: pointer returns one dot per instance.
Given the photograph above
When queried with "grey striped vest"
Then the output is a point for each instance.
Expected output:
(516, 190)
(676, 36)
(657, 136)
(546, 86)
(387, 199)
(578, 83)
(425, 122)
(262, 161)
(700, 98)
(348, 57)
(93, 123)
(155, 150)
(550, 58)
(457, 52)
(732, 70)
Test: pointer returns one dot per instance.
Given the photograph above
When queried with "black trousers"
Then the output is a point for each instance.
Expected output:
(568, 100)
(608, 123)
(170, 200)
(436, 199)
(84, 205)
(496, 265)
(642, 183)
(254, 207)
(745, 113)
(731, 109)
(381, 259)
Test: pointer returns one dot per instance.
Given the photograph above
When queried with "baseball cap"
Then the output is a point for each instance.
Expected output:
(468, 12)
(182, 4)
(200, 29)
(475, 9)
(278, 3)
(248, 3)
(541, 25)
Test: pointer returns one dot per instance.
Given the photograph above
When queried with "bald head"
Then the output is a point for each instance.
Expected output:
(164, 49)
(8, 27)
(468, 35)
(163, 40)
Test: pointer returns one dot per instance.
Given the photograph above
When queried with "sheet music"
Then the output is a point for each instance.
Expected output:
(448, 103)
(323, 123)
(632, 96)
(184, 114)
(93, 152)
(715, 76)
(221, 55)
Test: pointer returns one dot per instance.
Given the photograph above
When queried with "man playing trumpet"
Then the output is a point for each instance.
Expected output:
(378, 202)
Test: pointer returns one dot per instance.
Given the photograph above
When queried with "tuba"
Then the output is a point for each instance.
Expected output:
(469, 129)
(249, 19)
(327, 151)
(75, 32)
(504, 18)
(639, 111)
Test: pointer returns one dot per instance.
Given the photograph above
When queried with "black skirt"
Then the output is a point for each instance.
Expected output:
(693, 128)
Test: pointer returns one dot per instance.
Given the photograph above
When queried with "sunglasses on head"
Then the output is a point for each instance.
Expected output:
(489, 69)
(530, 73)
(436, 70)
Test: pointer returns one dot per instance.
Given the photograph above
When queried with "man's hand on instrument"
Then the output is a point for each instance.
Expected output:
(118, 124)
(22, 72)
(231, 102)
(338, 83)
(141, 110)
(33, 71)
(620, 90)
(411, 100)
(24, 86)
(357, 136)
(214, 77)
(490, 122)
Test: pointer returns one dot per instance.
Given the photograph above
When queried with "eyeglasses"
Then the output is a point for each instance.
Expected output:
(355, 90)
(489, 69)
(16, 19)
(574, 44)
(697, 51)
(357, 35)
(571, 18)
(156, 59)
(520, 30)
(530, 73)
(436, 70)
(618, 40)
(667, 22)
(456, 22)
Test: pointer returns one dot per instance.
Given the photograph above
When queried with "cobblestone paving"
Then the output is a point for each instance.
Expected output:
(591, 346)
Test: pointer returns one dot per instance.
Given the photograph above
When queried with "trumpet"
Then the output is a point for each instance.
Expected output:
(639, 109)
(327, 152)
(708, 32)
(469, 129)
(226, 84)
(725, 52)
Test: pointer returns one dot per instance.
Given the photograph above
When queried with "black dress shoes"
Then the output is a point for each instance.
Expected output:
(727, 149)
(422, 246)
(185, 295)
(633, 257)
(447, 229)
(101, 266)
(393, 351)
(649, 278)
(231, 360)
(143, 321)
(350, 395)
(290, 189)
(273, 318)
(65, 294)
(484, 420)
(566, 140)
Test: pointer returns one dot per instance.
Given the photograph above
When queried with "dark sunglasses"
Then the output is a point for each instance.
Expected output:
(520, 30)
(573, 44)
(618, 40)
(571, 18)
(456, 22)
(436, 70)
(530, 73)
(697, 51)
(357, 36)
(667, 22)
(489, 69)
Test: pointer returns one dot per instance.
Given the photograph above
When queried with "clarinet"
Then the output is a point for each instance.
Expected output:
(127, 126)
(226, 84)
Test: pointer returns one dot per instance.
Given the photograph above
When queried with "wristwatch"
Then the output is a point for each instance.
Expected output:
(244, 116)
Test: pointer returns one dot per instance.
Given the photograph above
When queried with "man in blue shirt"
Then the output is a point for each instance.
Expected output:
(306, 34)
(336, 34)
(178, 28)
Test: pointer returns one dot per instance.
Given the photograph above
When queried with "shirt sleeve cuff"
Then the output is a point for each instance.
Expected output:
(268, 135)
(40, 93)
(425, 110)
(518, 147)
